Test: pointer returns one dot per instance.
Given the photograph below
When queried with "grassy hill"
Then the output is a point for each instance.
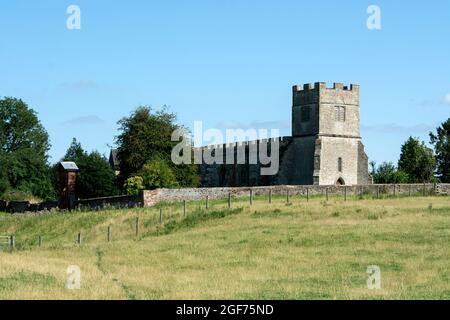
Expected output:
(301, 250)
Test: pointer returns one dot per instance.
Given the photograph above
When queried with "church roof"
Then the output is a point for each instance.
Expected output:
(113, 159)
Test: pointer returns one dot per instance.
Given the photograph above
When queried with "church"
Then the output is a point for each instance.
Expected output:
(325, 147)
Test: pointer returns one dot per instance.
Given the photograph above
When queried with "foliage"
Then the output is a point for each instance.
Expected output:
(14, 195)
(23, 150)
(133, 185)
(441, 143)
(186, 175)
(158, 174)
(96, 178)
(4, 183)
(146, 136)
(417, 161)
(388, 173)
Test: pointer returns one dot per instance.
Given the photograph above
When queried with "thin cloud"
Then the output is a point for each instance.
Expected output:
(84, 120)
(436, 102)
(447, 99)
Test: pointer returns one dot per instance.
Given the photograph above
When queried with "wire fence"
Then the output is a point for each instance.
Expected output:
(109, 224)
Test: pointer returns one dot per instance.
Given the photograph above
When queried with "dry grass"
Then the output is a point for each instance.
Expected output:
(315, 250)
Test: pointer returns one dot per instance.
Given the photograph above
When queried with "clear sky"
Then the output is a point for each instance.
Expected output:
(228, 63)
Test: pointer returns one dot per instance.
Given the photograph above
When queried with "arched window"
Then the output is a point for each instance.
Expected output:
(339, 112)
(339, 164)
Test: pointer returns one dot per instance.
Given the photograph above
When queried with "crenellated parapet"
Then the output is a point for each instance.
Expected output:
(319, 92)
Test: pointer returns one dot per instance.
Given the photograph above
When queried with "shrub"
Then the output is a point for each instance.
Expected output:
(17, 195)
(133, 185)
(158, 174)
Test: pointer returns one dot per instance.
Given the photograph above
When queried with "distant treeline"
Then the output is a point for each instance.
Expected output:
(144, 147)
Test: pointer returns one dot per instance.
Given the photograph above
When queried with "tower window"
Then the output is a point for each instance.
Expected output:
(305, 113)
(339, 164)
(339, 113)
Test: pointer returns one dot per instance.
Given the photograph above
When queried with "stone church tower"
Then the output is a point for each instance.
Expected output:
(325, 147)
(326, 135)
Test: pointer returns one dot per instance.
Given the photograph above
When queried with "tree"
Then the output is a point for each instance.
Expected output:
(134, 185)
(417, 161)
(373, 166)
(146, 136)
(96, 177)
(441, 143)
(4, 182)
(24, 145)
(388, 173)
(158, 174)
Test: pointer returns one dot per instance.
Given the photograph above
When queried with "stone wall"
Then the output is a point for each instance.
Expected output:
(332, 149)
(152, 197)
(26, 206)
(339, 95)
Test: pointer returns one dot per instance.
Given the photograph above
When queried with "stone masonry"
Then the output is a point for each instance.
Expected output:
(325, 147)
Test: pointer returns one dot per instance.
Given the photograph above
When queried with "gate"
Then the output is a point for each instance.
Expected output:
(7, 242)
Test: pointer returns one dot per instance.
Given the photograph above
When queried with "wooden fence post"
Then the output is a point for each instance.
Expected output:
(161, 218)
(409, 191)
(307, 194)
(270, 196)
(345, 193)
(109, 234)
(207, 203)
(12, 240)
(136, 227)
(287, 196)
(395, 190)
(229, 200)
(378, 192)
(79, 238)
(251, 197)
(40, 241)
(184, 208)
(326, 193)
(423, 190)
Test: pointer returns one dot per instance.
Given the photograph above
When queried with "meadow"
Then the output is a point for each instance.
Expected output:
(281, 250)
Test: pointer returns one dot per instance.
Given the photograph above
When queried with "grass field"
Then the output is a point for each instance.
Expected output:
(315, 250)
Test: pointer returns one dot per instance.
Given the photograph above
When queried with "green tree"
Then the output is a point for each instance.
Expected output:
(441, 143)
(158, 174)
(4, 182)
(146, 136)
(96, 178)
(387, 173)
(24, 145)
(417, 161)
(134, 185)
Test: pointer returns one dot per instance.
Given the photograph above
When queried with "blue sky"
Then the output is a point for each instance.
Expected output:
(227, 63)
